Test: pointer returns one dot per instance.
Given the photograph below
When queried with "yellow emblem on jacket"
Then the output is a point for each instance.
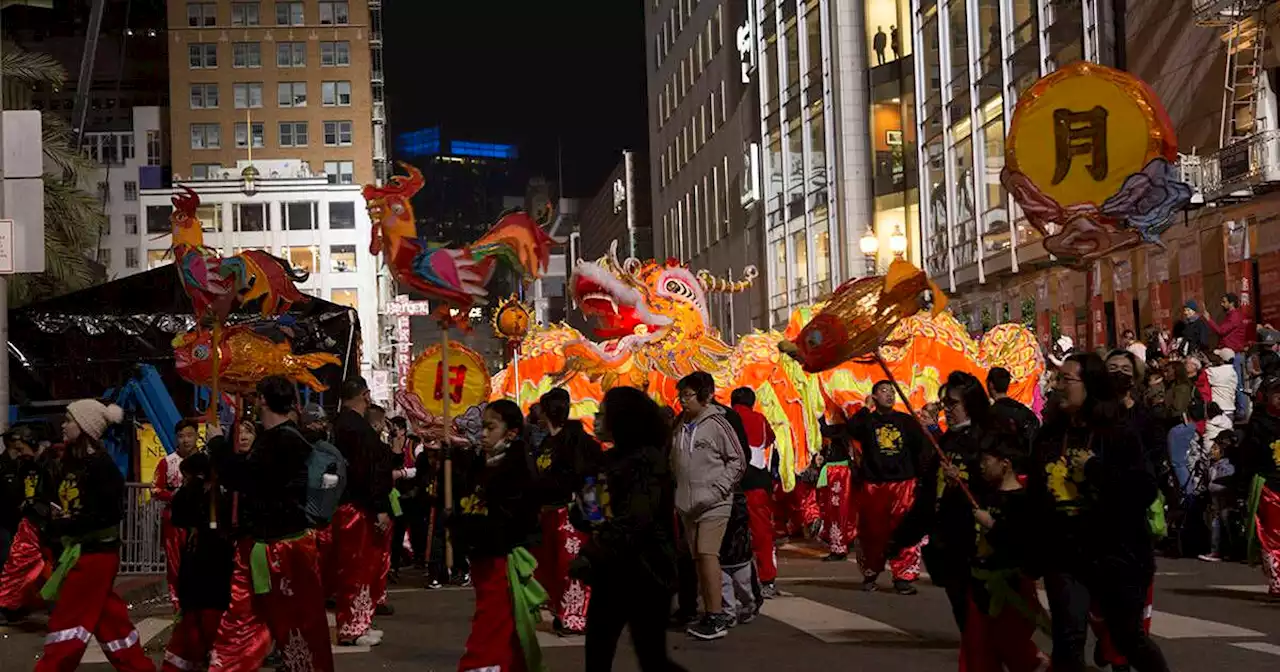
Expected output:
(474, 506)
(889, 439)
(1275, 452)
(29, 485)
(942, 475)
(69, 494)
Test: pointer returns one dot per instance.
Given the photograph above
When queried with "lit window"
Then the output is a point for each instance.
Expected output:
(302, 257)
(345, 297)
(210, 216)
(155, 258)
(342, 258)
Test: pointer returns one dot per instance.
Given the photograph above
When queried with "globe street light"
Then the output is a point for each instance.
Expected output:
(898, 242)
(870, 245)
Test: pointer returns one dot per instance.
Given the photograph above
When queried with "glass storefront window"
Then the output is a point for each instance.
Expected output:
(966, 229)
(791, 36)
(1026, 21)
(936, 251)
(933, 75)
(821, 255)
(772, 92)
(996, 218)
(795, 175)
(780, 272)
(775, 185)
(800, 246)
(1065, 34)
(818, 153)
(958, 34)
(813, 34)
(989, 35)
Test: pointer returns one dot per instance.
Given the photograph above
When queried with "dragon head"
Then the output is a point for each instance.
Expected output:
(390, 210)
(186, 224)
(638, 303)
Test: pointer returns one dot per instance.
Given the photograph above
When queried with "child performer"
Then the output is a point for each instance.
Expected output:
(494, 527)
(204, 575)
(1003, 606)
(164, 483)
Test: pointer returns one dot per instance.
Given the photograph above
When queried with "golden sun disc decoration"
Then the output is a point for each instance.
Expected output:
(512, 319)
(467, 382)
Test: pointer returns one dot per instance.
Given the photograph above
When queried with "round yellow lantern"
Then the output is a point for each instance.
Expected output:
(466, 383)
(512, 319)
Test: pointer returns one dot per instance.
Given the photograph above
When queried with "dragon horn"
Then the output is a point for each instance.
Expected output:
(711, 283)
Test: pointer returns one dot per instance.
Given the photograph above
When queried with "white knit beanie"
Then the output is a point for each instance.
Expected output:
(93, 417)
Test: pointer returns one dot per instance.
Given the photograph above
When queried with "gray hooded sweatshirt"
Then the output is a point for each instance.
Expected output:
(707, 462)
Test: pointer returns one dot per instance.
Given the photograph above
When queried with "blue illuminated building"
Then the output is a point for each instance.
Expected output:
(426, 142)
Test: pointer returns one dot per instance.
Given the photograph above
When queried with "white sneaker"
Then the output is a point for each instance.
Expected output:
(369, 639)
(375, 633)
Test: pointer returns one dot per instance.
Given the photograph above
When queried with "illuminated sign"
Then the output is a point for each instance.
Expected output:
(747, 50)
(751, 180)
(619, 195)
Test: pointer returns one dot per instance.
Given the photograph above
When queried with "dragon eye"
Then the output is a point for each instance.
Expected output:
(814, 339)
(397, 208)
(200, 352)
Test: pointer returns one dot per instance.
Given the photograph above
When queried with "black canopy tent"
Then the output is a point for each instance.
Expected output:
(84, 343)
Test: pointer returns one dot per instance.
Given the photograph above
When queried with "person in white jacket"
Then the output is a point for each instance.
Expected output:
(1222, 380)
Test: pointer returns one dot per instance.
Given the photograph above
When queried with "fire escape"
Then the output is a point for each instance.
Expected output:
(1248, 160)
(380, 164)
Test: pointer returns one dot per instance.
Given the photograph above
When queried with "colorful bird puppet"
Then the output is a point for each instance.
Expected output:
(245, 357)
(216, 284)
(860, 314)
(454, 276)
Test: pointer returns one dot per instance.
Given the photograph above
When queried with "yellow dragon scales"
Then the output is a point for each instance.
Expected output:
(654, 328)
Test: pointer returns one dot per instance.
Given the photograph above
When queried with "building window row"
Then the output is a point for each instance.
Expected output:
(337, 172)
(702, 217)
(204, 55)
(243, 13)
(252, 218)
(670, 31)
(696, 132)
(682, 79)
(248, 95)
(291, 134)
(113, 147)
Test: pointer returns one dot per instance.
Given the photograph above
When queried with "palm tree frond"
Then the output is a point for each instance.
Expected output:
(57, 138)
(31, 67)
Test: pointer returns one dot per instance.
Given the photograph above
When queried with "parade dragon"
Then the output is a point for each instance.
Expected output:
(653, 320)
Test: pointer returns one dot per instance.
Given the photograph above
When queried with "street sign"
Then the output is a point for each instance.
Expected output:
(6, 246)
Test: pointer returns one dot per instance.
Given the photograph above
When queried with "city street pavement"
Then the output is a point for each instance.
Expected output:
(1207, 616)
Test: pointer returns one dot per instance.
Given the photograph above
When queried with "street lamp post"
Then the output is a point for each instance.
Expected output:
(870, 246)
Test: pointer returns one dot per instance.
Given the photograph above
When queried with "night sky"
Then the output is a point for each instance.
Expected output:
(525, 73)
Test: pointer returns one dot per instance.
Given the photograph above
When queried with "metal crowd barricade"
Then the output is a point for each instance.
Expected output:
(141, 546)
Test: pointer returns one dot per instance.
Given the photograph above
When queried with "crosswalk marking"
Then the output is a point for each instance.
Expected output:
(1173, 626)
(1260, 588)
(148, 629)
(1260, 647)
(827, 624)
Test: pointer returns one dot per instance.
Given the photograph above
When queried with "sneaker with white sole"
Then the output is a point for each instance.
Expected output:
(1210, 557)
(768, 590)
(711, 626)
(367, 639)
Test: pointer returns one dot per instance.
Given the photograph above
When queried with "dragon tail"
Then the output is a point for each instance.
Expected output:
(518, 242)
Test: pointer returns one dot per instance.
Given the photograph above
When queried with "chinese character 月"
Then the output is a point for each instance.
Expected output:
(1080, 133)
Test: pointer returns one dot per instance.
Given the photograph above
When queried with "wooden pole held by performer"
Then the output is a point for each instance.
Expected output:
(214, 398)
(448, 447)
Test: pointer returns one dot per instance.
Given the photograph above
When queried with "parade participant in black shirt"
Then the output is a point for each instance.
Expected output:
(1004, 609)
(892, 448)
(204, 573)
(362, 524)
(942, 509)
(90, 503)
(563, 462)
(1091, 486)
(494, 526)
(27, 492)
(275, 584)
(1260, 456)
(1009, 410)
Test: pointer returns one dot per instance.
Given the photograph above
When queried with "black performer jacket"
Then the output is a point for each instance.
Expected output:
(892, 445)
(204, 575)
(272, 478)
(497, 513)
(562, 464)
(90, 497)
(368, 463)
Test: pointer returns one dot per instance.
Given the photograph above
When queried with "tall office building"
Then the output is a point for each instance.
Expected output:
(287, 80)
(703, 122)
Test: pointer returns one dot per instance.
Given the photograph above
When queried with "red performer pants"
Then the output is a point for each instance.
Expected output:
(1106, 650)
(175, 538)
(89, 607)
(1001, 642)
(493, 645)
(326, 560)
(838, 509)
(25, 569)
(291, 613)
(880, 508)
(358, 546)
(191, 641)
(797, 510)
(760, 520)
(561, 542)
(1268, 528)
(383, 537)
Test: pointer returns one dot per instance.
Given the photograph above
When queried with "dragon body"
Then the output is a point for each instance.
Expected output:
(654, 328)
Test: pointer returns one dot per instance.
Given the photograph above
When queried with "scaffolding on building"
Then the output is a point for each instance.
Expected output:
(1248, 159)
(381, 165)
